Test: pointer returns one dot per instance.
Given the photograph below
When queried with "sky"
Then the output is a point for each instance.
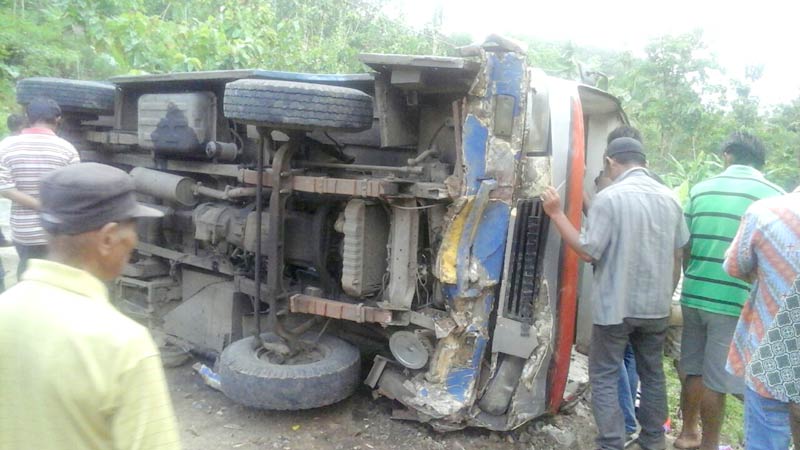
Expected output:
(739, 33)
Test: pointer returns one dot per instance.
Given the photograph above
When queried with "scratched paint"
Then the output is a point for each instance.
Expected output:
(445, 267)
(481, 237)
(476, 137)
(490, 240)
(536, 176)
(470, 259)
(508, 73)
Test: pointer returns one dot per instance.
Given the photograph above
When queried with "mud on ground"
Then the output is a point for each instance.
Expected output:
(208, 420)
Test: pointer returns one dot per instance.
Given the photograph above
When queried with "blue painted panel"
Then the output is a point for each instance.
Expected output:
(477, 355)
(468, 236)
(490, 240)
(449, 291)
(458, 382)
(476, 138)
(461, 381)
(507, 74)
(488, 305)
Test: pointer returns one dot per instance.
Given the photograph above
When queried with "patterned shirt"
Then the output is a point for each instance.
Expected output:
(76, 373)
(776, 362)
(765, 251)
(24, 160)
(632, 232)
(713, 214)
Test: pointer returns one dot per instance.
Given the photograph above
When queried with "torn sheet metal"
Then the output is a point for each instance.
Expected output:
(445, 267)
(535, 176)
(470, 260)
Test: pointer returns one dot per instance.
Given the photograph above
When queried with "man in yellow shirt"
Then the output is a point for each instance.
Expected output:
(74, 372)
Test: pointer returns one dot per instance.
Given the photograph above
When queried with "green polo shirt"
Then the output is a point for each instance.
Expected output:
(713, 213)
(74, 372)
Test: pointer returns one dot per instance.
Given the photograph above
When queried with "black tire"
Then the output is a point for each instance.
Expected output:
(260, 384)
(89, 97)
(288, 105)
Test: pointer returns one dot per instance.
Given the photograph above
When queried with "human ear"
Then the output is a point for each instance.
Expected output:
(108, 235)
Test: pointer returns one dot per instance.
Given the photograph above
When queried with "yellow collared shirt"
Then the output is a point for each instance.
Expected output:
(74, 372)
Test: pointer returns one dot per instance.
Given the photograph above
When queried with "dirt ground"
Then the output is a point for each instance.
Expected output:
(208, 420)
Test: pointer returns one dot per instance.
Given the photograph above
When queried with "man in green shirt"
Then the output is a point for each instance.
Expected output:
(711, 299)
(74, 372)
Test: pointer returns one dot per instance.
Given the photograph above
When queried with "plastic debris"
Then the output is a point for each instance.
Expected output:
(209, 377)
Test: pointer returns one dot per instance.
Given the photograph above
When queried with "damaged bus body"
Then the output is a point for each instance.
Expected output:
(392, 217)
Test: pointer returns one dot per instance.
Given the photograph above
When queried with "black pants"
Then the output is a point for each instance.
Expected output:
(27, 252)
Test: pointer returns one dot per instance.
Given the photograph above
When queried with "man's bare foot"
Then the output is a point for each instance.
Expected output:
(688, 441)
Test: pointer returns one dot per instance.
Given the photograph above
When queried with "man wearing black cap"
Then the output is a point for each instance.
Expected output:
(75, 372)
(633, 235)
(24, 160)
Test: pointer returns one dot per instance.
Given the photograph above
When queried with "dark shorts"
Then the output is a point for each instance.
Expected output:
(704, 349)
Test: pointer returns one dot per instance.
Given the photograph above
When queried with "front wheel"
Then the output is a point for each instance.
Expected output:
(328, 371)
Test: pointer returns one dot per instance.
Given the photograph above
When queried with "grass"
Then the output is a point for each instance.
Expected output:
(732, 428)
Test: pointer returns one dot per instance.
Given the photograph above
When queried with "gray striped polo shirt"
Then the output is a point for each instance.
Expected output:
(24, 160)
(632, 231)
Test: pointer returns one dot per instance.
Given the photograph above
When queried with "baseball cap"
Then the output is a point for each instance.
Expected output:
(624, 145)
(84, 197)
(42, 108)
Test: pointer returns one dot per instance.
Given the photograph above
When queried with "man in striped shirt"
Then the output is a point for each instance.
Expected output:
(24, 160)
(766, 252)
(711, 299)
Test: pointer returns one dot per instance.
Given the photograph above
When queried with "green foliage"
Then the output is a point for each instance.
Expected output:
(684, 104)
(683, 174)
(95, 39)
(319, 36)
(732, 427)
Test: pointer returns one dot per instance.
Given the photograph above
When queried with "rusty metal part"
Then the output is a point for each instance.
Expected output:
(112, 137)
(264, 140)
(429, 153)
(183, 190)
(326, 185)
(222, 151)
(307, 304)
(209, 263)
(363, 167)
(227, 194)
(403, 243)
(164, 185)
(281, 191)
(176, 165)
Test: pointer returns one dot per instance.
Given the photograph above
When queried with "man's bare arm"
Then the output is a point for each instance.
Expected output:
(21, 198)
(551, 202)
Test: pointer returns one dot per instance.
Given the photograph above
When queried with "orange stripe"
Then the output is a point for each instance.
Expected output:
(567, 299)
(777, 260)
(790, 220)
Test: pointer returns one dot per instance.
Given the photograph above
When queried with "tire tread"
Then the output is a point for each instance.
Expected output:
(71, 95)
(293, 105)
